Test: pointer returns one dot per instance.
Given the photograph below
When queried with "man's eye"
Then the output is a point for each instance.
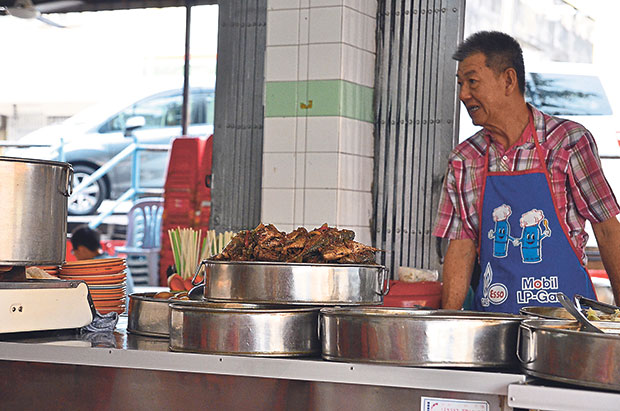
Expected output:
(472, 81)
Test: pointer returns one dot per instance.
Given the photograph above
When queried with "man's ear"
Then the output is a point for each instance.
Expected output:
(510, 81)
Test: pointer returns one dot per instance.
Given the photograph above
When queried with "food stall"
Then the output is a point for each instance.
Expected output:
(301, 333)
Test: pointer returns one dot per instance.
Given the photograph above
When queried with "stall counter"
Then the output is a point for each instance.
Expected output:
(111, 370)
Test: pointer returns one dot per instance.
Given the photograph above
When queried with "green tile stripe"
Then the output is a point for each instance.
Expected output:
(329, 98)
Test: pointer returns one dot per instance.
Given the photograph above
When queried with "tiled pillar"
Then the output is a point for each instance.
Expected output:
(318, 135)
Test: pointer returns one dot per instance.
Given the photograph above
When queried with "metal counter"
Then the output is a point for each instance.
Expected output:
(119, 370)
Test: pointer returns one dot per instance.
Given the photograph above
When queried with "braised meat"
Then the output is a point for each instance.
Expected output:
(321, 245)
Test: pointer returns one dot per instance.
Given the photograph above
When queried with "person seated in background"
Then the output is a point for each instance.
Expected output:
(86, 243)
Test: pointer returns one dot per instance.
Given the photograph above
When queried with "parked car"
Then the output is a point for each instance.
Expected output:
(94, 136)
(576, 92)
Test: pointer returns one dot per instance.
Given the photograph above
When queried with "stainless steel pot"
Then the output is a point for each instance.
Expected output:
(244, 329)
(150, 316)
(422, 338)
(558, 351)
(294, 283)
(33, 206)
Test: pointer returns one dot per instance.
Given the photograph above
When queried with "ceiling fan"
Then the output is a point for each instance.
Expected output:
(26, 9)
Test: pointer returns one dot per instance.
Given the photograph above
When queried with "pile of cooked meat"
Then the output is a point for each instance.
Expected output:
(321, 245)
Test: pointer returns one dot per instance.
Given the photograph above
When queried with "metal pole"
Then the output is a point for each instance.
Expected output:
(184, 112)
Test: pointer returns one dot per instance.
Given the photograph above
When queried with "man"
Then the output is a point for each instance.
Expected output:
(517, 194)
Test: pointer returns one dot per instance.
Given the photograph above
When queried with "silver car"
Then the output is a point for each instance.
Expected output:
(93, 137)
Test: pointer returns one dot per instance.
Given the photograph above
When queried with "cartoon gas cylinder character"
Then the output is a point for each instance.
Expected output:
(532, 235)
(501, 233)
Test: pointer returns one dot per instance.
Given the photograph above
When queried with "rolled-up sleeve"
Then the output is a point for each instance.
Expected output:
(450, 222)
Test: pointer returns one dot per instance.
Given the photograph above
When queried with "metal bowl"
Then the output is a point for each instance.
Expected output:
(423, 338)
(244, 329)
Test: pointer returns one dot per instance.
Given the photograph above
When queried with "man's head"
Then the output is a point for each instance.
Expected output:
(502, 52)
(491, 77)
(86, 242)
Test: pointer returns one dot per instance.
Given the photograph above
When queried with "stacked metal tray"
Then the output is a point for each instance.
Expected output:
(244, 329)
(257, 308)
(421, 338)
(557, 350)
(295, 283)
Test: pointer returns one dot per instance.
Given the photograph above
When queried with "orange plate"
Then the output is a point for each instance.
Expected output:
(95, 261)
(112, 278)
(121, 286)
(105, 293)
(96, 269)
(114, 298)
(109, 303)
(106, 311)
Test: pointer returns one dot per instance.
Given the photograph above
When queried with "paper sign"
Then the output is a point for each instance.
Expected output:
(448, 404)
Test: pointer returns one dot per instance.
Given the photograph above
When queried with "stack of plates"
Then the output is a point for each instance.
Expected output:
(106, 279)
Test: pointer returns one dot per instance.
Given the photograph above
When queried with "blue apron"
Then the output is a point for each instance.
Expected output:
(525, 253)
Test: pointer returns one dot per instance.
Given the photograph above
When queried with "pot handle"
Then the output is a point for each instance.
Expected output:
(384, 282)
(204, 280)
(531, 345)
(68, 190)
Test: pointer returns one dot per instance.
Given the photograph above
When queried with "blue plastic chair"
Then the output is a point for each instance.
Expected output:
(144, 234)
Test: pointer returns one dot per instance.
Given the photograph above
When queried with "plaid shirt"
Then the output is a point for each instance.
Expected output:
(579, 187)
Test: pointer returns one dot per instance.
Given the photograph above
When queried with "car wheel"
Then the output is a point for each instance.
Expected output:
(88, 200)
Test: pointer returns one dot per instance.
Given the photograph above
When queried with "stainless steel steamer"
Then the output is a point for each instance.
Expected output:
(558, 351)
(244, 329)
(419, 337)
(295, 283)
(34, 211)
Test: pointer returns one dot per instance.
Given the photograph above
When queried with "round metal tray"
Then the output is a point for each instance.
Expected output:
(295, 283)
(423, 338)
(150, 316)
(244, 329)
(556, 350)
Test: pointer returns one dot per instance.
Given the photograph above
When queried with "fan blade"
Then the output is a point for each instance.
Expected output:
(51, 23)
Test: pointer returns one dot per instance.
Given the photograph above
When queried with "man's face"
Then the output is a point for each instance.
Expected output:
(480, 89)
(83, 253)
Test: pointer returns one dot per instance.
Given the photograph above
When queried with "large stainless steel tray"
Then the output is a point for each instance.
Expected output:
(424, 338)
(149, 316)
(295, 283)
(244, 329)
(557, 351)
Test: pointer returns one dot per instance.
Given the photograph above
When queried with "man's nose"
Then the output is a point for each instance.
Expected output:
(464, 92)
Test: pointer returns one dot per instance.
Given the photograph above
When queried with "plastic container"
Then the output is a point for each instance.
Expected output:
(420, 294)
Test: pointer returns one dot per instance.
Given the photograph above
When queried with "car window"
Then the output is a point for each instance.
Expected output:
(567, 94)
(201, 111)
(163, 112)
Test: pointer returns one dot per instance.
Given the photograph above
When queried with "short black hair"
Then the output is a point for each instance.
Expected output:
(86, 236)
(501, 51)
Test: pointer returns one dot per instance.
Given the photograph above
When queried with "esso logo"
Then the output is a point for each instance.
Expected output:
(498, 293)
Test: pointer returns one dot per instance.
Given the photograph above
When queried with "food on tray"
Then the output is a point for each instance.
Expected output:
(166, 295)
(163, 295)
(598, 316)
(321, 245)
(37, 273)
